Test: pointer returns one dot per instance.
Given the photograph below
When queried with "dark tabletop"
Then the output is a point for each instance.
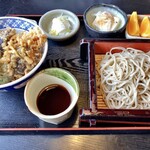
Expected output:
(13, 112)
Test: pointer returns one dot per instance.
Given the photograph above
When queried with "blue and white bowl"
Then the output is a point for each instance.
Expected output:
(21, 24)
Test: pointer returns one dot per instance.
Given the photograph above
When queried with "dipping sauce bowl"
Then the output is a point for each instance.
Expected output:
(52, 95)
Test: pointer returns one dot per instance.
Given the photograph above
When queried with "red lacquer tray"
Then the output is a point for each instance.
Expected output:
(16, 119)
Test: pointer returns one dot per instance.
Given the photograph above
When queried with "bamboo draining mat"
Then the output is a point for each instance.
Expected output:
(100, 102)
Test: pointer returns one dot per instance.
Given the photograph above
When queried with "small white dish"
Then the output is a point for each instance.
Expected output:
(128, 36)
(45, 23)
(47, 77)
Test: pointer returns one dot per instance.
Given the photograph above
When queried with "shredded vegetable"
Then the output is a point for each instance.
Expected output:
(60, 26)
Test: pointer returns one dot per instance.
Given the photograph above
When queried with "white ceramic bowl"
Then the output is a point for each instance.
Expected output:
(89, 17)
(21, 24)
(45, 23)
(128, 36)
(48, 77)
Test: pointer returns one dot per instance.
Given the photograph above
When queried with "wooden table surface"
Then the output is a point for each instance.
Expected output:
(13, 112)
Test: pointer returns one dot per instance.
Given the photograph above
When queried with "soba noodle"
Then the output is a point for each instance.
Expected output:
(125, 78)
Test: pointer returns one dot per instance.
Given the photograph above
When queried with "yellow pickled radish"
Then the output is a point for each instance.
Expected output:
(133, 25)
(145, 27)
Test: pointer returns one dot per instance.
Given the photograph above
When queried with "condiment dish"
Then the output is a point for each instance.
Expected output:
(90, 14)
(52, 77)
(128, 36)
(49, 21)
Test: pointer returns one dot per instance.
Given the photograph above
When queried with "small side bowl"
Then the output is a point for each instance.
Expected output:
(45, 23)
(89, 16)
(128, 36)
(48, 77)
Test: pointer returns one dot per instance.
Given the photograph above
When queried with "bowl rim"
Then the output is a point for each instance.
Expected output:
(71, 106)
(105, 5)
(63, 37)
(30, 73)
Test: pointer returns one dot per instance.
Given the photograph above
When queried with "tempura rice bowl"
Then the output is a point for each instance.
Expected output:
(22, 24)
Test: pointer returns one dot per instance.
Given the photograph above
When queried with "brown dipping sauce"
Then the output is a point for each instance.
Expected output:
(53, 99)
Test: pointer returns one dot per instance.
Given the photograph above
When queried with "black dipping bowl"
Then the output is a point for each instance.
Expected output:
(89, 16)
